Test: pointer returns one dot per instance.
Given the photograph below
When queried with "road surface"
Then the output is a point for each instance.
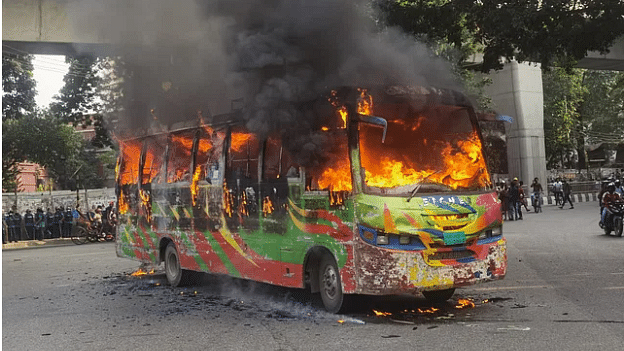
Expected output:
(564, 290)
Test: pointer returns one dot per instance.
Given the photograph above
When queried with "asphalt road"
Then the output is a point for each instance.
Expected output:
(564, 290)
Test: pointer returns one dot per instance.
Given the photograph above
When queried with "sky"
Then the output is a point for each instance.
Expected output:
(49, 71)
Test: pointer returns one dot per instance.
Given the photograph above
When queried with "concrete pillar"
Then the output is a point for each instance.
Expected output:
(516, 91)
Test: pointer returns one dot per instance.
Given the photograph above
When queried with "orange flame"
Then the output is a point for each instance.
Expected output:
(240, 139)
(382, 314)
(464, 303)
(141, 272)
(228, 200)
(242, 207)
(128, 166)
(196, 176)
(365, 103)
(429, 310)
(123, 204)
(336, 198)
(463, 165)
(147, 203)
(267, 206)
(342, 110)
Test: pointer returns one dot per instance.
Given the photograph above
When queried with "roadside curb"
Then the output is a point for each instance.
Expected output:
(33, 244)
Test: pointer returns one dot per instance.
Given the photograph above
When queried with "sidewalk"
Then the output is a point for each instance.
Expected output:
(30, 244)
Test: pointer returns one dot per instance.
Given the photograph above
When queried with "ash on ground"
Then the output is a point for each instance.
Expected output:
(212, 296)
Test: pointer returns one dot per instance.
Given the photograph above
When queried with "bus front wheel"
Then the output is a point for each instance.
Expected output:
(438, 295)
(330, 285)
(176, 276)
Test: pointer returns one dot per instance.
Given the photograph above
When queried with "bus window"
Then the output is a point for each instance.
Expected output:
(243, 154)
(278, 162)
(332, 170)
(128, 175)
(153, 166)
(130, 152)
(278, 166)
(180, 157)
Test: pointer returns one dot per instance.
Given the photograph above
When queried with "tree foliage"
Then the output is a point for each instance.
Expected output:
(563, 94)
(18, 86)
(42, 138)
(581, 107)
(602, 111)
(78, 102)
(546, 31)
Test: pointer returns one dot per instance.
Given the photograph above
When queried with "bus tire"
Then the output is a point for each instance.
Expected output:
(438, 295)
(176, 276)
(330, 284)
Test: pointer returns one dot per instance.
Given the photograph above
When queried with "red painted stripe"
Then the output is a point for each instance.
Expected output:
(208, 255)
(264, 270)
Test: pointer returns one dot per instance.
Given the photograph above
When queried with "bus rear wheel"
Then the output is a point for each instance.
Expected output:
(330, 284)
(176, 276)
(438, 295)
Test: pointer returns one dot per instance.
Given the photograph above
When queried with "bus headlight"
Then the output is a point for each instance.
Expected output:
(492, 232)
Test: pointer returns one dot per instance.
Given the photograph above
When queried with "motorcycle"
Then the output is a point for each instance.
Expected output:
(536, 201)
(613, 220)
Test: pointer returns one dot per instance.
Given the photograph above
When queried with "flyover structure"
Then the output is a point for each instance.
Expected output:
(49, 27)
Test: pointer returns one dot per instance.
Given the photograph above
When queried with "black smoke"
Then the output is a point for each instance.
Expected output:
(184, 58)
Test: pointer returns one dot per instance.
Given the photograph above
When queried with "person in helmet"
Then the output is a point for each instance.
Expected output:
(608, 197)
(618, 188)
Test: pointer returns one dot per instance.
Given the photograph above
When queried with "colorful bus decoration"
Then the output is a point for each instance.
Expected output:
(377, 191)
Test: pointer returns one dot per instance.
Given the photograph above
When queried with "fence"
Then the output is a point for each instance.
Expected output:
(54, 199)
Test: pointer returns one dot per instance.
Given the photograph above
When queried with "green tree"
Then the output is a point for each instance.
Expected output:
(42, 138)
(602, 111)
(544, 31)
(18, 86)
(78, 102)
(563, 95)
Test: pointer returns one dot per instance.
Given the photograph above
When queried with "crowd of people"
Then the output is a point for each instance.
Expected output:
(513, 197)
(42, 225)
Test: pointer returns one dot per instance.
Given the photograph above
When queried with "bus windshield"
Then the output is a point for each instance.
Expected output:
(435, 149)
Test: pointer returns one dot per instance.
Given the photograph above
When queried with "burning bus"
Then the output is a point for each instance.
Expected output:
(384, 191)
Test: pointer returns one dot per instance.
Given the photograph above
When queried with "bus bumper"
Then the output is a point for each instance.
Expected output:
(386, 272)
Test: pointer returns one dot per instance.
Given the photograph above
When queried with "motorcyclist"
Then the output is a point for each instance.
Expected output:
(609, 197)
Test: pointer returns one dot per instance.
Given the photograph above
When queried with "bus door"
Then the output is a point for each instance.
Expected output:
(242, 206)
(151, 171)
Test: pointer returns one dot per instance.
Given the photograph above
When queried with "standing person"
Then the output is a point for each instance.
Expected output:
(29, 225)
(5, 228)
(57, 222)
(67, 222)
(111, 214)
(501, 193)
(49, 218)
(567, 190)
(523, 199)
(514, 198)
(40, 224)
(17, 224)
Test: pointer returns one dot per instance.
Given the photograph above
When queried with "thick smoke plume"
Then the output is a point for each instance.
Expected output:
(181, 57)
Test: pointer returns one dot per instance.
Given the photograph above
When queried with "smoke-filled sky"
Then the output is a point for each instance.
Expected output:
(185, 56)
